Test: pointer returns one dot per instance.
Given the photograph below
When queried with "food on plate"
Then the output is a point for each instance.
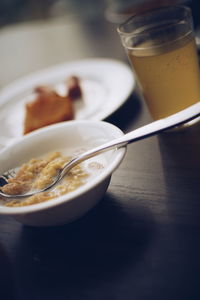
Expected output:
(49, 107)
(38, 173)
(74, 88)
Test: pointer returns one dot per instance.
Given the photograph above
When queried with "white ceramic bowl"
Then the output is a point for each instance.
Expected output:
(67, 135)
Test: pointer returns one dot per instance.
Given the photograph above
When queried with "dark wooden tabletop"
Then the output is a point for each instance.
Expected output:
(142, 241)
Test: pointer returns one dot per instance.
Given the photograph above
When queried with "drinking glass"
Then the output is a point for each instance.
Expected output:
(162, 51)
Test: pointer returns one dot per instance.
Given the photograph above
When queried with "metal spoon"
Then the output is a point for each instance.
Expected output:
(143, 132)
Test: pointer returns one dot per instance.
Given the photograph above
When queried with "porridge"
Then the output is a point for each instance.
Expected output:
(37, 173)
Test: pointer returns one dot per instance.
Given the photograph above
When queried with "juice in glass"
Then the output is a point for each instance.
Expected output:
(162, 51)
(169, 79)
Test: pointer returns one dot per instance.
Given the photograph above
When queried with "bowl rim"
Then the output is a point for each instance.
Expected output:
(109, 169)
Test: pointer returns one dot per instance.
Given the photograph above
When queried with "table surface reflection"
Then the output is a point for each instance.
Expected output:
(143, 239)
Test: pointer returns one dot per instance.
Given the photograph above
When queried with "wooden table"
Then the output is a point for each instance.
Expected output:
(142, 241)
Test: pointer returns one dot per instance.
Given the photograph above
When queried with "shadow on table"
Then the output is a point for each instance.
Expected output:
(95, 250)
(7, 288)
(127, 113)
(181, 164)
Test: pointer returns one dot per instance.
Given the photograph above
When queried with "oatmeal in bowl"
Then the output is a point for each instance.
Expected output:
(37, 158)
(37, 174)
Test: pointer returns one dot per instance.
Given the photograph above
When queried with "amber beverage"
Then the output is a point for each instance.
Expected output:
(164, 58)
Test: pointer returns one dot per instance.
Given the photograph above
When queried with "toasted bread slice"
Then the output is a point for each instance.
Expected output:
(48, 108)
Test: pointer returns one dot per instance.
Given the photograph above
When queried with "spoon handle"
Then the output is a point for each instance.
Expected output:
(143, 132)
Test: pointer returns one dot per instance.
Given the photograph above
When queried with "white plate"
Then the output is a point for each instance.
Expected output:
(106, 85)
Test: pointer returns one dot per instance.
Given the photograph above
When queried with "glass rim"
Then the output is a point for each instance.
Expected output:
(184, 8)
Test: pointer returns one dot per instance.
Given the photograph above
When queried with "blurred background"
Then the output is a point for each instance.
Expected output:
(14, 11)
(38, 34)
